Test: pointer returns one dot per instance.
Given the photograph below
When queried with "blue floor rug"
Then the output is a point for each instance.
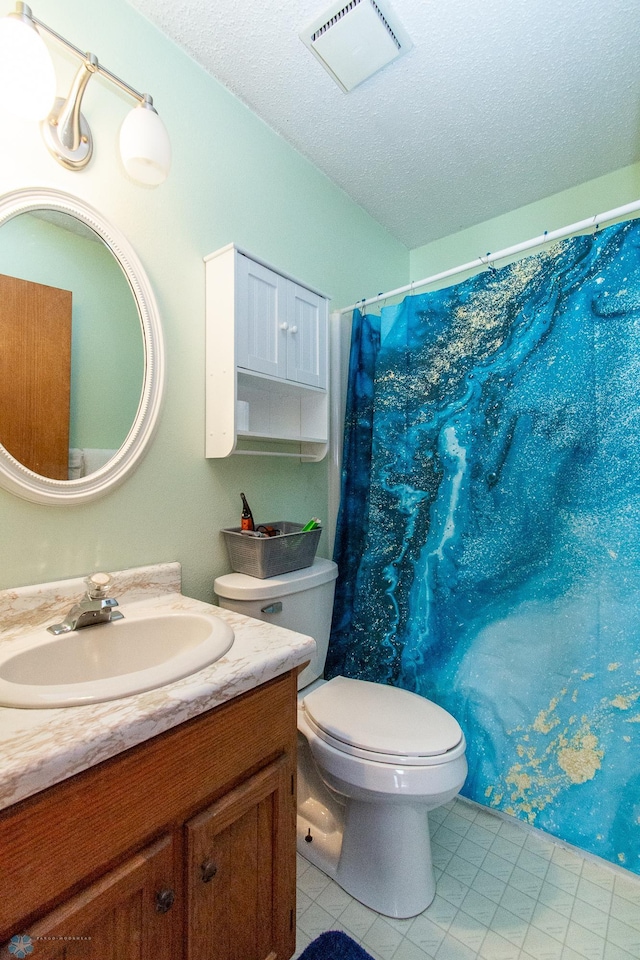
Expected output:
(334, 945)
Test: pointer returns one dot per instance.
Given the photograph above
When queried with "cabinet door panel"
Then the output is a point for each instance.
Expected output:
(241, 871)
(307, 336)
(116, 918)
(261, 310)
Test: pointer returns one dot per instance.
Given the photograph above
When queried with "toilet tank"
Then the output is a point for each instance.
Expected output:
(300, 601)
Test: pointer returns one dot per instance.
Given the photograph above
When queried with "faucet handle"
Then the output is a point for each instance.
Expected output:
(97, 585)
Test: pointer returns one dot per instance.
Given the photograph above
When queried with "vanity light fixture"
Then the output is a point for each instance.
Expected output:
(27, 87)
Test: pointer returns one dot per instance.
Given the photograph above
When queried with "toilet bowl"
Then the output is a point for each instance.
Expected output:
(373, 760)
(388, 757)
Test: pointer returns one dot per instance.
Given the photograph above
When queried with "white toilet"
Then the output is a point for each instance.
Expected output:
(372, 759)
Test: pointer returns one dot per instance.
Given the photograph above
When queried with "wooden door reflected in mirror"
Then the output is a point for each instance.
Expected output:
(35, 374)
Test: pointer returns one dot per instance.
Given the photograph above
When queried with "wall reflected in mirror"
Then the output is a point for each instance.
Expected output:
(72, 359)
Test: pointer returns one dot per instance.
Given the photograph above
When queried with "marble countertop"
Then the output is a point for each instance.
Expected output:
(41, 747)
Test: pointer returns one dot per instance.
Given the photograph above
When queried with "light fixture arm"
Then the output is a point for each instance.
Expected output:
(68, 118)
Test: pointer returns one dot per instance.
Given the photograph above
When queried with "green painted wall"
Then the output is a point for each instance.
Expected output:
(596, 196)
(233, 180)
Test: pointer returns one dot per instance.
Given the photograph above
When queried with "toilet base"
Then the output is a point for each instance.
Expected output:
(382, 857)
(385, 861)
(322, 850)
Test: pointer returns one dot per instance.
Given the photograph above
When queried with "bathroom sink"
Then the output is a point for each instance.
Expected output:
(109, 660)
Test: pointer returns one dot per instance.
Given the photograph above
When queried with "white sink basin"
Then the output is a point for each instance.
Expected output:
(109, 660)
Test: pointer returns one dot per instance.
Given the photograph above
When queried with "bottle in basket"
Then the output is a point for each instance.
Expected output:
(246, 517)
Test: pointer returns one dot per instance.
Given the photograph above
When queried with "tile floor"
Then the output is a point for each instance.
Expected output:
(504, 892)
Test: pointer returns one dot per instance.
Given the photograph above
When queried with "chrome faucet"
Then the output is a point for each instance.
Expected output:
(95, 607)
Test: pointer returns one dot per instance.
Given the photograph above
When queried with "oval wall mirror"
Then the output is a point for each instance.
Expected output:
(81, 350)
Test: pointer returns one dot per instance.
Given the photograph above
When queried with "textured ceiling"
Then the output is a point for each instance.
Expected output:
(498, 104)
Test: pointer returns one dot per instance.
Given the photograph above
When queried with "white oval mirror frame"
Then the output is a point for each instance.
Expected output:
(17, 478)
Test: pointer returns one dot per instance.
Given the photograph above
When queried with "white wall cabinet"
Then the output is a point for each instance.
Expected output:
(266, 360)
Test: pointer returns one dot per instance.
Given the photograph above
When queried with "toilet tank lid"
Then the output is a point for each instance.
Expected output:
(240, 586)
(382, 719)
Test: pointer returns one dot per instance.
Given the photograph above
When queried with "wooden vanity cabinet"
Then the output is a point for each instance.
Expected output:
(181, 847)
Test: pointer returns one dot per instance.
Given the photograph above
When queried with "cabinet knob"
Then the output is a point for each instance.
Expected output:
(284, 326)
(208, 870)
(164, 900)
(293, 329)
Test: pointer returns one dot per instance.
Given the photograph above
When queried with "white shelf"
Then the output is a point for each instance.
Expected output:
(253, 411)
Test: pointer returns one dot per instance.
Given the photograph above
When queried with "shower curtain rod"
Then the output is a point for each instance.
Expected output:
(547, 236)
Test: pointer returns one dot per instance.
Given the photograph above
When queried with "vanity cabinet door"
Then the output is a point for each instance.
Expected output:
(241, 871)
(132, 913)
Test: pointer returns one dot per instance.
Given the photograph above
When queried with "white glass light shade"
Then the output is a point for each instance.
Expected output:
(27, 78)
(144, 146)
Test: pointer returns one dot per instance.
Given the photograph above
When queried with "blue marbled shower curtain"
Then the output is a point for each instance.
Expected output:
(489, 542)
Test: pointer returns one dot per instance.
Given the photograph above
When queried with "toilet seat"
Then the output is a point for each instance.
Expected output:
(382, 723)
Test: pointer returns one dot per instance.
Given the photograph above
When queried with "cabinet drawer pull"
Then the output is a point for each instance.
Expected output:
(208, 870)
(164, 900)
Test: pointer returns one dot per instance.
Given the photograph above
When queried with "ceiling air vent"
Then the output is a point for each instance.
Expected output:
(354, 40)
